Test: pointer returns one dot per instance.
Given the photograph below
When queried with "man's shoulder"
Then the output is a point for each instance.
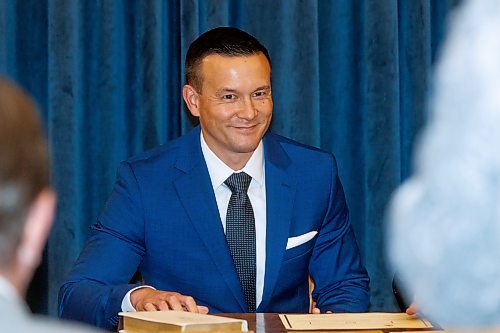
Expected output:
(295, 149)
(42, 324)
(165, 153)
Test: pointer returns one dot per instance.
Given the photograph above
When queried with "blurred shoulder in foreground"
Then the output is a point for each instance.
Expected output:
(444, 230)
(27, 206)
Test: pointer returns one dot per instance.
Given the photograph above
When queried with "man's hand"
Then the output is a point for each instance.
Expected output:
(316, 310)
(147, 299)
(412, 309)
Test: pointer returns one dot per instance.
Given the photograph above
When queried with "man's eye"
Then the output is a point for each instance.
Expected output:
(229, 97)
(260, 93)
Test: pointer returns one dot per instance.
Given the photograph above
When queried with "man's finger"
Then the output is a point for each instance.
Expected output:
(189, 304)
(174, 303)
(412, 309)
(150, 307)
(162, 306)
(202, 309)
(316, 311)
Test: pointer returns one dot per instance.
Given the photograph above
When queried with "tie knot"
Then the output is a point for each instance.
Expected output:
(238, 182)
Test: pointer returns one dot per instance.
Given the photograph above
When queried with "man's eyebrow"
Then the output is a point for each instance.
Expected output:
(266, 87)
(232, 91)
(225, 90)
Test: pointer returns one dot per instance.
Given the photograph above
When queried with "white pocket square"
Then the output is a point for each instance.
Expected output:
(299, 240)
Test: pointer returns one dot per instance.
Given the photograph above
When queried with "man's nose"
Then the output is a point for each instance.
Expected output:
(248, 110)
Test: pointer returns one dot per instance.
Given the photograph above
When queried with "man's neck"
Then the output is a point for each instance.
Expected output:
(235, 161)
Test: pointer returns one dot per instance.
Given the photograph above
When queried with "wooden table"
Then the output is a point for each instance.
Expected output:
(260, 322)
(271, 323)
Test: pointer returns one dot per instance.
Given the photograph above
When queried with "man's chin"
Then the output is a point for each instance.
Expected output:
(245, 149)
(245, 145)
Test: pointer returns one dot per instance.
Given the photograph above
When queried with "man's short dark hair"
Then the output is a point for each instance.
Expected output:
(224, 41)
(23, 164)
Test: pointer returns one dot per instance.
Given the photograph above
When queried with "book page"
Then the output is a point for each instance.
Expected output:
(352, 321)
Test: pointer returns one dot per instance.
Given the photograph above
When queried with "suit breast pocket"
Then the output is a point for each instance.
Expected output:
(299, 251)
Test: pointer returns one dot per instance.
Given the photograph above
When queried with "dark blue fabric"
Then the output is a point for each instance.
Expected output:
(350, 77)
(162, 217)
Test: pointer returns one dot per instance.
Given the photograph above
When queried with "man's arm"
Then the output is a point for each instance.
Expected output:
(99, 280)
(341, 281)
(95, 289)
(85, 299)
(96, 285)
(147, 299)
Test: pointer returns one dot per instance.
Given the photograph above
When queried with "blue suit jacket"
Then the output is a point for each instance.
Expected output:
(162, 220)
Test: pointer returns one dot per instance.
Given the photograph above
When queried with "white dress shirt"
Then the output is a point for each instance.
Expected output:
(219, 172)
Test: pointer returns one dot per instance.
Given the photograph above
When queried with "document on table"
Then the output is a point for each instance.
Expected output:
(351, 321)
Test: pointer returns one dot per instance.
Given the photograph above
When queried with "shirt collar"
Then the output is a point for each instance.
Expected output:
(219, 171)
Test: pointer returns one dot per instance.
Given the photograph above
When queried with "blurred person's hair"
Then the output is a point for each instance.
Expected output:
(23, 164)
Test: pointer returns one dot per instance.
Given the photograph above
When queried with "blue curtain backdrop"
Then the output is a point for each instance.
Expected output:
(350, 77)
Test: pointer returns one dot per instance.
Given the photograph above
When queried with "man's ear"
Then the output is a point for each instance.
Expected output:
(192, 99)
(36, 229)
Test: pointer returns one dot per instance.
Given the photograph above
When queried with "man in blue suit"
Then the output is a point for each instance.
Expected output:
(202, 243)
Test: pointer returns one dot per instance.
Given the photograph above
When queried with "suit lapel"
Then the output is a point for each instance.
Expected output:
(196, 194)
(280, 194)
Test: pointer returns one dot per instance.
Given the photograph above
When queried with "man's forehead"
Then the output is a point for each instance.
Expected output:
(224, 59)
(221, 72)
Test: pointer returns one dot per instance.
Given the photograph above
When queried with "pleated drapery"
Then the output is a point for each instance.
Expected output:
(350, 77)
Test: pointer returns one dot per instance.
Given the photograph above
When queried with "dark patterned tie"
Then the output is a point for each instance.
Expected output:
(240, 234)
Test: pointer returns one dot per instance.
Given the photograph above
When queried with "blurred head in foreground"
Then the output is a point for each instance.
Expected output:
(26, 200)
(444, 236)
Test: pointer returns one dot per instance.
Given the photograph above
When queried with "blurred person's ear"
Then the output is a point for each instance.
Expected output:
(36, 231)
